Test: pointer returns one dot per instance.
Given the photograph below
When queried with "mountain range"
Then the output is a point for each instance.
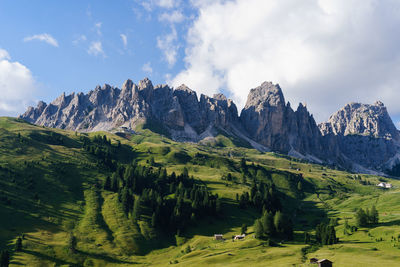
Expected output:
(358, 137)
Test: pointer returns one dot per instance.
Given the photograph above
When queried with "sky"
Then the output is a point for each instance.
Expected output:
(323, 53)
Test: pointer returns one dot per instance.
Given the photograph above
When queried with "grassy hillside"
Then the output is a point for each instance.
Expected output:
(51, 189)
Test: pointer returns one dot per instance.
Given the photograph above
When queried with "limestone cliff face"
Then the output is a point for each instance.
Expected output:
(362, 119)
(366, 135)
(268, 120)
(358, 136)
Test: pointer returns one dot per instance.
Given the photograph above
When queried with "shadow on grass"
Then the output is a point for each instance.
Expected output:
(49, 258)
(105, 258)
(233, 217)
(16, 263)
(356, 241)
(391, 223)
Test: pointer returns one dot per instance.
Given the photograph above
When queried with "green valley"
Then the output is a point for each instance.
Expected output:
(142, 199)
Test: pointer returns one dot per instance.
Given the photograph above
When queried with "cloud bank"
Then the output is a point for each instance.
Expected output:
(322, 52)
(17, 85)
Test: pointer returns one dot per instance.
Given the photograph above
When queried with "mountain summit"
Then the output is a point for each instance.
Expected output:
(359, 136)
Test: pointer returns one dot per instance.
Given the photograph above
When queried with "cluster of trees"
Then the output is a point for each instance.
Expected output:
(55, 138)
(367, 217)
(171, 201)
(325, 234)
(102, 149)
(262, 197)
(273, 225)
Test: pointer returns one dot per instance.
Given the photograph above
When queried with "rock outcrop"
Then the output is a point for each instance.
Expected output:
(366, 135)
(362, 119)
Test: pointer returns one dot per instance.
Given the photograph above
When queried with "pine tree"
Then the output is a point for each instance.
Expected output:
(18, 244)
(307, 238)
(243, 165)
(244, 229)
(258, 229)
(152, 162)
(242, 202)
(345, 226)
(288, 228)
(361, 218)
(136, 210)
(244, 179)
(114, 182)
(185, 172)
(154, 220)
(126, 200)
(299, 186)
(374, 215)
(72, 243)
(278, 222)
(107, 183)
(4, 258)
(267, 221)
(218, 206)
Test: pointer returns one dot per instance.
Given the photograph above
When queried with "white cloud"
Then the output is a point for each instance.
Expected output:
(4, 55)
(322, 52)
(150, 4)
(44, 37)
(97, 27)
(80, 39)
(147, 68)
(124, 39)
(175, 16)
(167, 44)
(17, 86)
(167, 3)
(96, 49)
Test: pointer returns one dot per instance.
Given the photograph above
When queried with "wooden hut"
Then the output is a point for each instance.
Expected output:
(324, 263)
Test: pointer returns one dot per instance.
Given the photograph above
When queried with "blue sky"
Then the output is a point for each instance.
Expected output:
(323, 53)
(123, 36)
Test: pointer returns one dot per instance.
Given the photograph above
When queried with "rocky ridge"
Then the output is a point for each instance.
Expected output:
(266, 122)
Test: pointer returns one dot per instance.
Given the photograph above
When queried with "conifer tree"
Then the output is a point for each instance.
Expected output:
(72, 243)
(4, 258)
(267, 221)
(114, 182)
(107, 183)
(278, 222)
(244, 229)
(153, 220)
(374, 215)
(18, 244)
(136, 209)
(258, 229)
(361, 218)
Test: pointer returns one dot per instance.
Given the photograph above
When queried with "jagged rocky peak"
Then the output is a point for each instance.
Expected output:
(220, 96)
(145, 84)
(267, 94)
(127, 85)
(184, 88)
(362, 119)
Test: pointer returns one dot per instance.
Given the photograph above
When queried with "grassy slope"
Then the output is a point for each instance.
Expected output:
(47, 192)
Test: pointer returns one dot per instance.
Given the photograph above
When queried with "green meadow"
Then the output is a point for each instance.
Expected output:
(50, 188)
